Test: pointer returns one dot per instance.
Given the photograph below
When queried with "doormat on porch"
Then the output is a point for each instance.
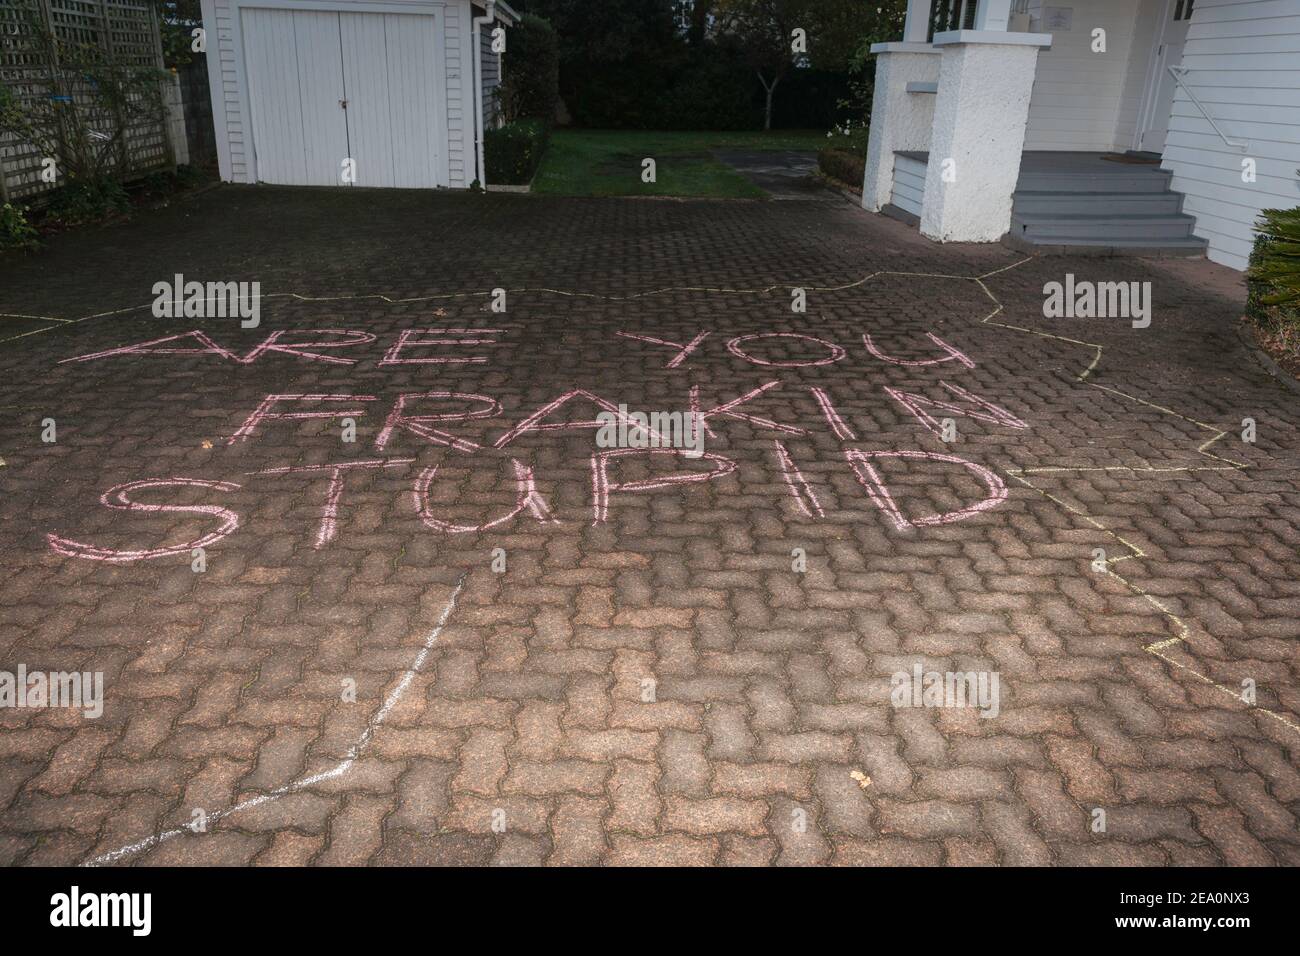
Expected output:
(1132, 159)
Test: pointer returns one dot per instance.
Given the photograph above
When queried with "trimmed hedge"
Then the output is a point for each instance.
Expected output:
(513, 152)
(843, 165)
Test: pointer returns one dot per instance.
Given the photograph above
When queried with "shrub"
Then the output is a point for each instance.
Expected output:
(15, 231)
(1273, 297)
(513, 152)
(849, 137)
(85, 200)
(708, 92)
(843, 165)
(531, 86)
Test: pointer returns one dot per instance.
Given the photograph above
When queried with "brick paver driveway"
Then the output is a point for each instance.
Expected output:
(650, 678)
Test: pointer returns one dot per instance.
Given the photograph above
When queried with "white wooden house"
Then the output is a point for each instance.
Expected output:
(390, 93)
(1089, 125)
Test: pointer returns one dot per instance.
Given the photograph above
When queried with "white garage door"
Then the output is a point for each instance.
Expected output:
(326, 88)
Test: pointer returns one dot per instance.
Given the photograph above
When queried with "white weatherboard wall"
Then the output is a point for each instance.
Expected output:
(433, 54)
(1243, 58)
(1088, 101)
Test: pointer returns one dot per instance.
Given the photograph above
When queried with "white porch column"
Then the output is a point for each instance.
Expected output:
(993, 15)
(899, 120)
(980, 114)
(916, 28)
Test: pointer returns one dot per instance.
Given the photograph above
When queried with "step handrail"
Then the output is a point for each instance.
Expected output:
(1177, 73)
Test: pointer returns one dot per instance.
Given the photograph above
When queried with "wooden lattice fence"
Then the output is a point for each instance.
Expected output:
(125, 29)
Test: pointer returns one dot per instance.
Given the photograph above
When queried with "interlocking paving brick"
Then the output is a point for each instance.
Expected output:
(652, 684)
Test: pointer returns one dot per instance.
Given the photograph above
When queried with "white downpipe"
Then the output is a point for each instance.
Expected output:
(488, 16)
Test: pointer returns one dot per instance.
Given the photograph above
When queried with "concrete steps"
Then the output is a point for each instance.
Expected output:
(1100, 208)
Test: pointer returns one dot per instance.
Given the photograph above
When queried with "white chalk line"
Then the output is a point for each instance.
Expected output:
(354, 752)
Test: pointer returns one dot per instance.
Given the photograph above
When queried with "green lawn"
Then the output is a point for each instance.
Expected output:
(608, 162)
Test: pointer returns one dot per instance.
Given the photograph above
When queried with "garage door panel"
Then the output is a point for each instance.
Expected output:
(366, 78)
(271, 62)
(320, 79)
(415, 98)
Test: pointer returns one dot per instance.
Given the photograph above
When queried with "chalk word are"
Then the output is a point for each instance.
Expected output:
(432, 428)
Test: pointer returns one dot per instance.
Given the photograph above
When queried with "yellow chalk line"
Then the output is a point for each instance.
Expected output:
(1183, 632)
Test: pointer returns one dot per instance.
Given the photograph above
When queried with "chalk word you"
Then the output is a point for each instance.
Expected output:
(668, 445)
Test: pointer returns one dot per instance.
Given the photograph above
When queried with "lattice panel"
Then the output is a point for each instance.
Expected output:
(125, 29)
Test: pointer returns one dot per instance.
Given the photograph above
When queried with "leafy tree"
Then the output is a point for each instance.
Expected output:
(765, 30)
(177, 20)
(530, 88)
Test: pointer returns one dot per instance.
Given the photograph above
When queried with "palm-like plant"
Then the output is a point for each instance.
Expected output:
(1278, 263)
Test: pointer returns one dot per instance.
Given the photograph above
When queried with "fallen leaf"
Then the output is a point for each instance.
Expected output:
(863, 780)
(206, 443)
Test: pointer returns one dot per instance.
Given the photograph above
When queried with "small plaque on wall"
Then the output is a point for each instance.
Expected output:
(1057, 19)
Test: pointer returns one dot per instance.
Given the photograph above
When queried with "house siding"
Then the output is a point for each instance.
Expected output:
(228, 117)
(459, 85)
(1084, 100)
(490, 66)
(1243, 58)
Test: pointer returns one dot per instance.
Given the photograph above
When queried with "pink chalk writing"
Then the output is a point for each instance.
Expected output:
(800, 490)
(683, 350)
(531, 423)
(263, 412)
(842, 431)
(916, 404)
(526, 496)
(330, 512)
(728, 409)
(869, 478)
(148, 348)
(953, 354)
(118, 499)
(272, 343)
(438, 338)
(419, 424)
(602, 487)
(836, 353)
